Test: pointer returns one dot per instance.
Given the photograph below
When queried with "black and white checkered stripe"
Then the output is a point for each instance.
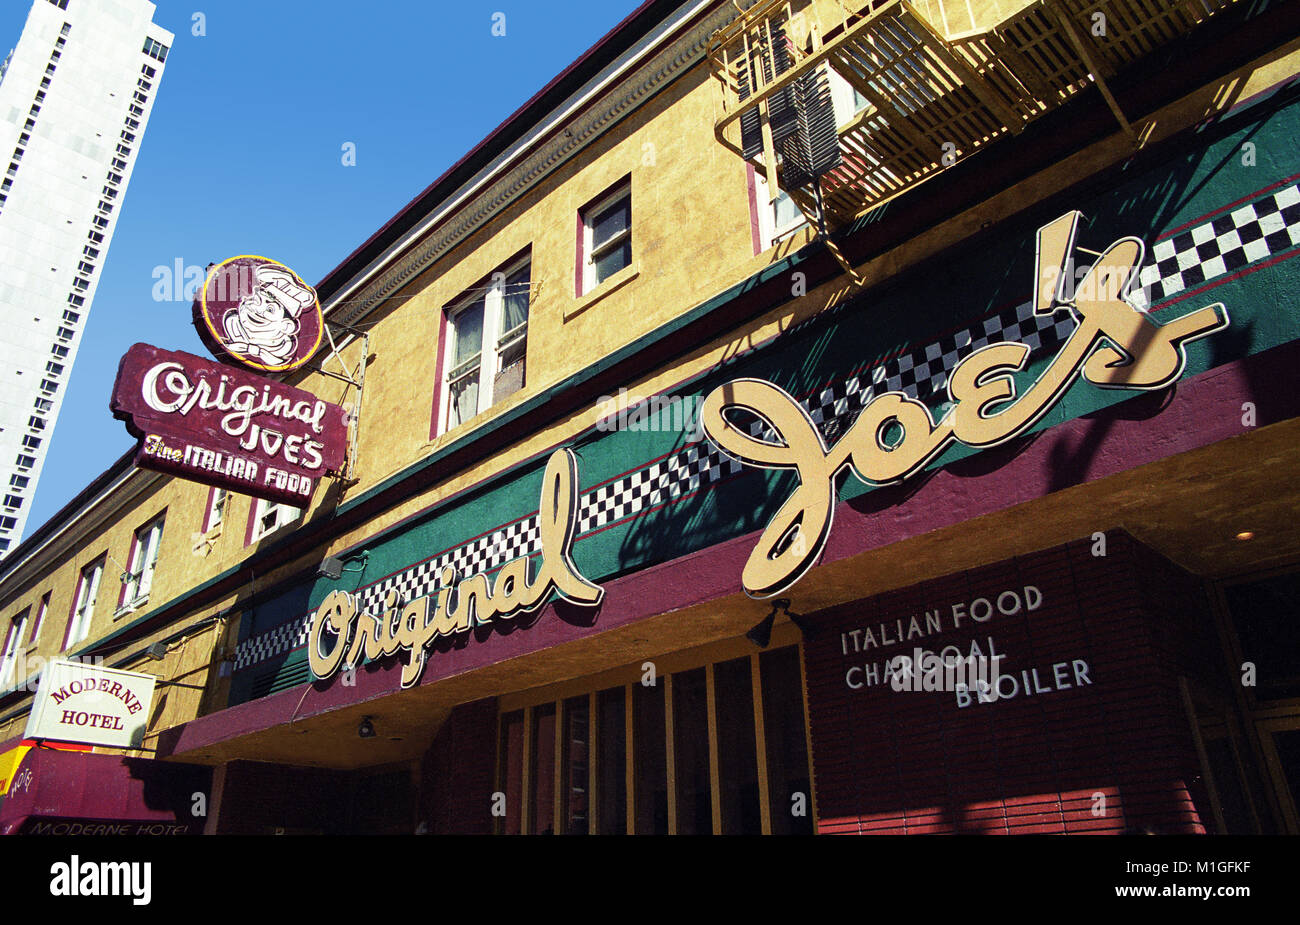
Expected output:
(1189, 258)
(1259, 229)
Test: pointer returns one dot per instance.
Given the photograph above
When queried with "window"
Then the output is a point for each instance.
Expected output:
(66, 333)
(13, 502)
(13, 645)
(60, 352)
(632, 758)
(54, 369)
(147, 71)
(606, 237)
(127, 136)
(18, 481)
(49, 387)
(136, 110)
(131, 123)
(269, 516)
(25, 462)
(63, 5)
(71, 317)
(155, 50)
(36, 422)
(41, 610)
(217, 498)
(777, 219)
(118, 164)
(83, 610)
(144, 558)
(487, 334)
(81, 285)
(67, 27)
(90, 252)
(99, 221)
(8, 523)
(124, 150)
(140, 97)
(43, 404)
(30, 442)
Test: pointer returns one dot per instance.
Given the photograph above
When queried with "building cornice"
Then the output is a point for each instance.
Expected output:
(553, 143)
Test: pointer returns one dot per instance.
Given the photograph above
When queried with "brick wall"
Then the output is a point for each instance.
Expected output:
(1100, 743)
(457, 774)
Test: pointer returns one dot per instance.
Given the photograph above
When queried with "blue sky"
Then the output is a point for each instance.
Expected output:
(414, 84)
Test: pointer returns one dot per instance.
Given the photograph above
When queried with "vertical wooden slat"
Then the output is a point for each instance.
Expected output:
(715, 775)
(807, 731)
(593, 753)
(760, 745)
(629, 769)
(559, 826)
(670, 741)
(525, 796)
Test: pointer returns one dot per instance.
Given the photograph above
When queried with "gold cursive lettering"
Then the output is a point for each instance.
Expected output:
(1115, 345)
(461, 605)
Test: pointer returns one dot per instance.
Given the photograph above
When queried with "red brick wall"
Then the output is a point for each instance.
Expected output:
(457, 776)
(912, 762)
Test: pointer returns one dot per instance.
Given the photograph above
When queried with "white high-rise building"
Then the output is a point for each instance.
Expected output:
(75, 97)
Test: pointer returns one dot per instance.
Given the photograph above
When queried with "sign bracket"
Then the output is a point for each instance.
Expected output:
(353, 377)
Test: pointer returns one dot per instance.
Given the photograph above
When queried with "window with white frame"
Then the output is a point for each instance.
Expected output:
(83, 610)
(269, 516)
(42, 609)
(607, 236)
(144, 559)
(216, 509)
(777, 218)
(13, 647)
(487, 339)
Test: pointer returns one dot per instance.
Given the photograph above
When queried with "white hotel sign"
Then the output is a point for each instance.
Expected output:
(79, 702)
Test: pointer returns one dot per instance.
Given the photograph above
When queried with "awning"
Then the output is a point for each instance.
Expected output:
(56, 792)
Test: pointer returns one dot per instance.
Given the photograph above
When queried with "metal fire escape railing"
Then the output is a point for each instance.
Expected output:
(924, 98)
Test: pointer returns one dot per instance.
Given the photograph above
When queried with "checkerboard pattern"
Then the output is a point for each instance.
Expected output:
(1250, 233)
(1223, 245)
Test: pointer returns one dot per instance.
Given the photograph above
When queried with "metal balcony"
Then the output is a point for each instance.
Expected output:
(923, 98)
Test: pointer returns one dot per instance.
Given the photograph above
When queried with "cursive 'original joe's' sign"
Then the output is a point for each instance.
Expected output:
(1114, 345)
(341, 634)
(222, 426)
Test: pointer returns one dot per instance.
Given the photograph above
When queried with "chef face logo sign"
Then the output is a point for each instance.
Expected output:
(258, 312)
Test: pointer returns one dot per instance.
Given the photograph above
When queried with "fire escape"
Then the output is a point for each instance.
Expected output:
(925, 96)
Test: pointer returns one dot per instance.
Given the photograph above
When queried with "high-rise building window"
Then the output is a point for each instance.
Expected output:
(31, 443)
(13, 502)
(25, 462)
(155, 50)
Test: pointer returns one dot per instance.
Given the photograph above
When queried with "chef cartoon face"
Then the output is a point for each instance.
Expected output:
(263, 326)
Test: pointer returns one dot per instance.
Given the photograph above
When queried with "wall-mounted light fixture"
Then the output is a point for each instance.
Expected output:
(332, 566)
